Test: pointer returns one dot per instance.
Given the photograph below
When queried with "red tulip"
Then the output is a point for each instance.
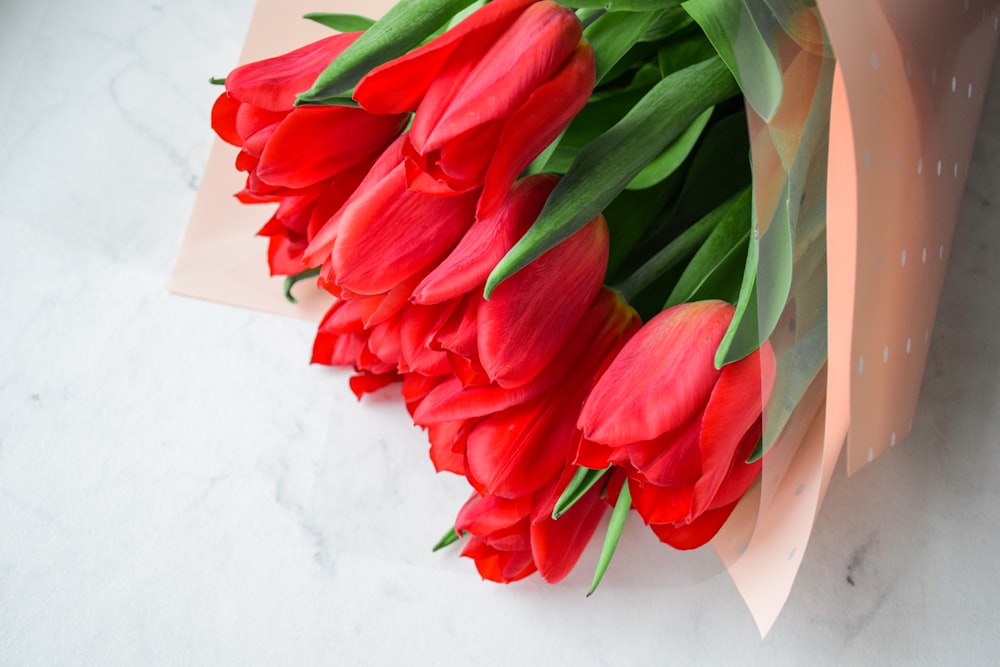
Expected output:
(386, 234)
(529, 317)
(272, 84)
(489, 96)
(681, 428)
(525, 447)
(308, 159)
(313, 142)
(510, 538)
(298, 218)
(607, 319)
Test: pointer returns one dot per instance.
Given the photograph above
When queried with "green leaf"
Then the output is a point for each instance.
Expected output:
(597, 117)
(671, 21)
(338, 101)
(684, 50)
(670, 255)
(614, 34)
(630, 217)
(448, 538)
(583, 480)
(723, 283)
(464, 14)
(742, 337)
(291, 280)
(341, 22)
(775, 249)
(744, 38)
(607, 164)
(615, 526)
(804, 360)
(719, 170)
(401, 29)
(728, 238)
(672, 156)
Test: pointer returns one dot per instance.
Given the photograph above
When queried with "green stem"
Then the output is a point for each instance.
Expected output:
(216, 81)
(667, 258)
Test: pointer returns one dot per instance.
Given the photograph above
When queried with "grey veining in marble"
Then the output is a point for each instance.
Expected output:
(168, 494)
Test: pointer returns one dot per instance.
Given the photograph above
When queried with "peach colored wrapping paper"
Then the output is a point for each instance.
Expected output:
(903, 105)
(914, 76)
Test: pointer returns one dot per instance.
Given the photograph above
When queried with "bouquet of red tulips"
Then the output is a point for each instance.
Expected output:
(535, 218)
(588, 242)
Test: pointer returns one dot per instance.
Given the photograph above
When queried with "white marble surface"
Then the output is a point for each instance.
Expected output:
(168, 494)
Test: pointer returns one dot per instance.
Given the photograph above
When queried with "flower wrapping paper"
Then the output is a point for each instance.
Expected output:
(874, 135)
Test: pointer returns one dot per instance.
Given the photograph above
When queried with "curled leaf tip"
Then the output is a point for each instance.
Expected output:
(291, 280)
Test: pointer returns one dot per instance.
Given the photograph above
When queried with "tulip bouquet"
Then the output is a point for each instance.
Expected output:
(536, 218)
(588, 242)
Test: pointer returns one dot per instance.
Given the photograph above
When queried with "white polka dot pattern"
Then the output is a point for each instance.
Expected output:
(915, 94)
(899, 195)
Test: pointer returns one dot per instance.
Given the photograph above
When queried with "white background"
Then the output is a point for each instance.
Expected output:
(169, 467)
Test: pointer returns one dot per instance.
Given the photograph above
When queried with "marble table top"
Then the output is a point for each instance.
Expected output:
(172, 471)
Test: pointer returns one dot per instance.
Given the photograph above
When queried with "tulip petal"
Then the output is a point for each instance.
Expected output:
(284, 254)
(458, 334)
(607, 323)
(443, 451)
(535, 124)
(742, 474)
(523, 326)
(673, 459)
(224, 119)
(416, 387)
(483, 515)
(520, 450)
(451, 400)
(390, 233)
(528, 53)
(556, 545)
(734, 407)
(273, 83)
(695, 534)
(660, 504)
(462, 162)
(400, 84)
(661, 379)
(255, 127)
(487, 241)
(337, 339)
(593, 455)
(314, 143)
(418, 325)
(367, 383)
(501, 566)
(322, 243)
